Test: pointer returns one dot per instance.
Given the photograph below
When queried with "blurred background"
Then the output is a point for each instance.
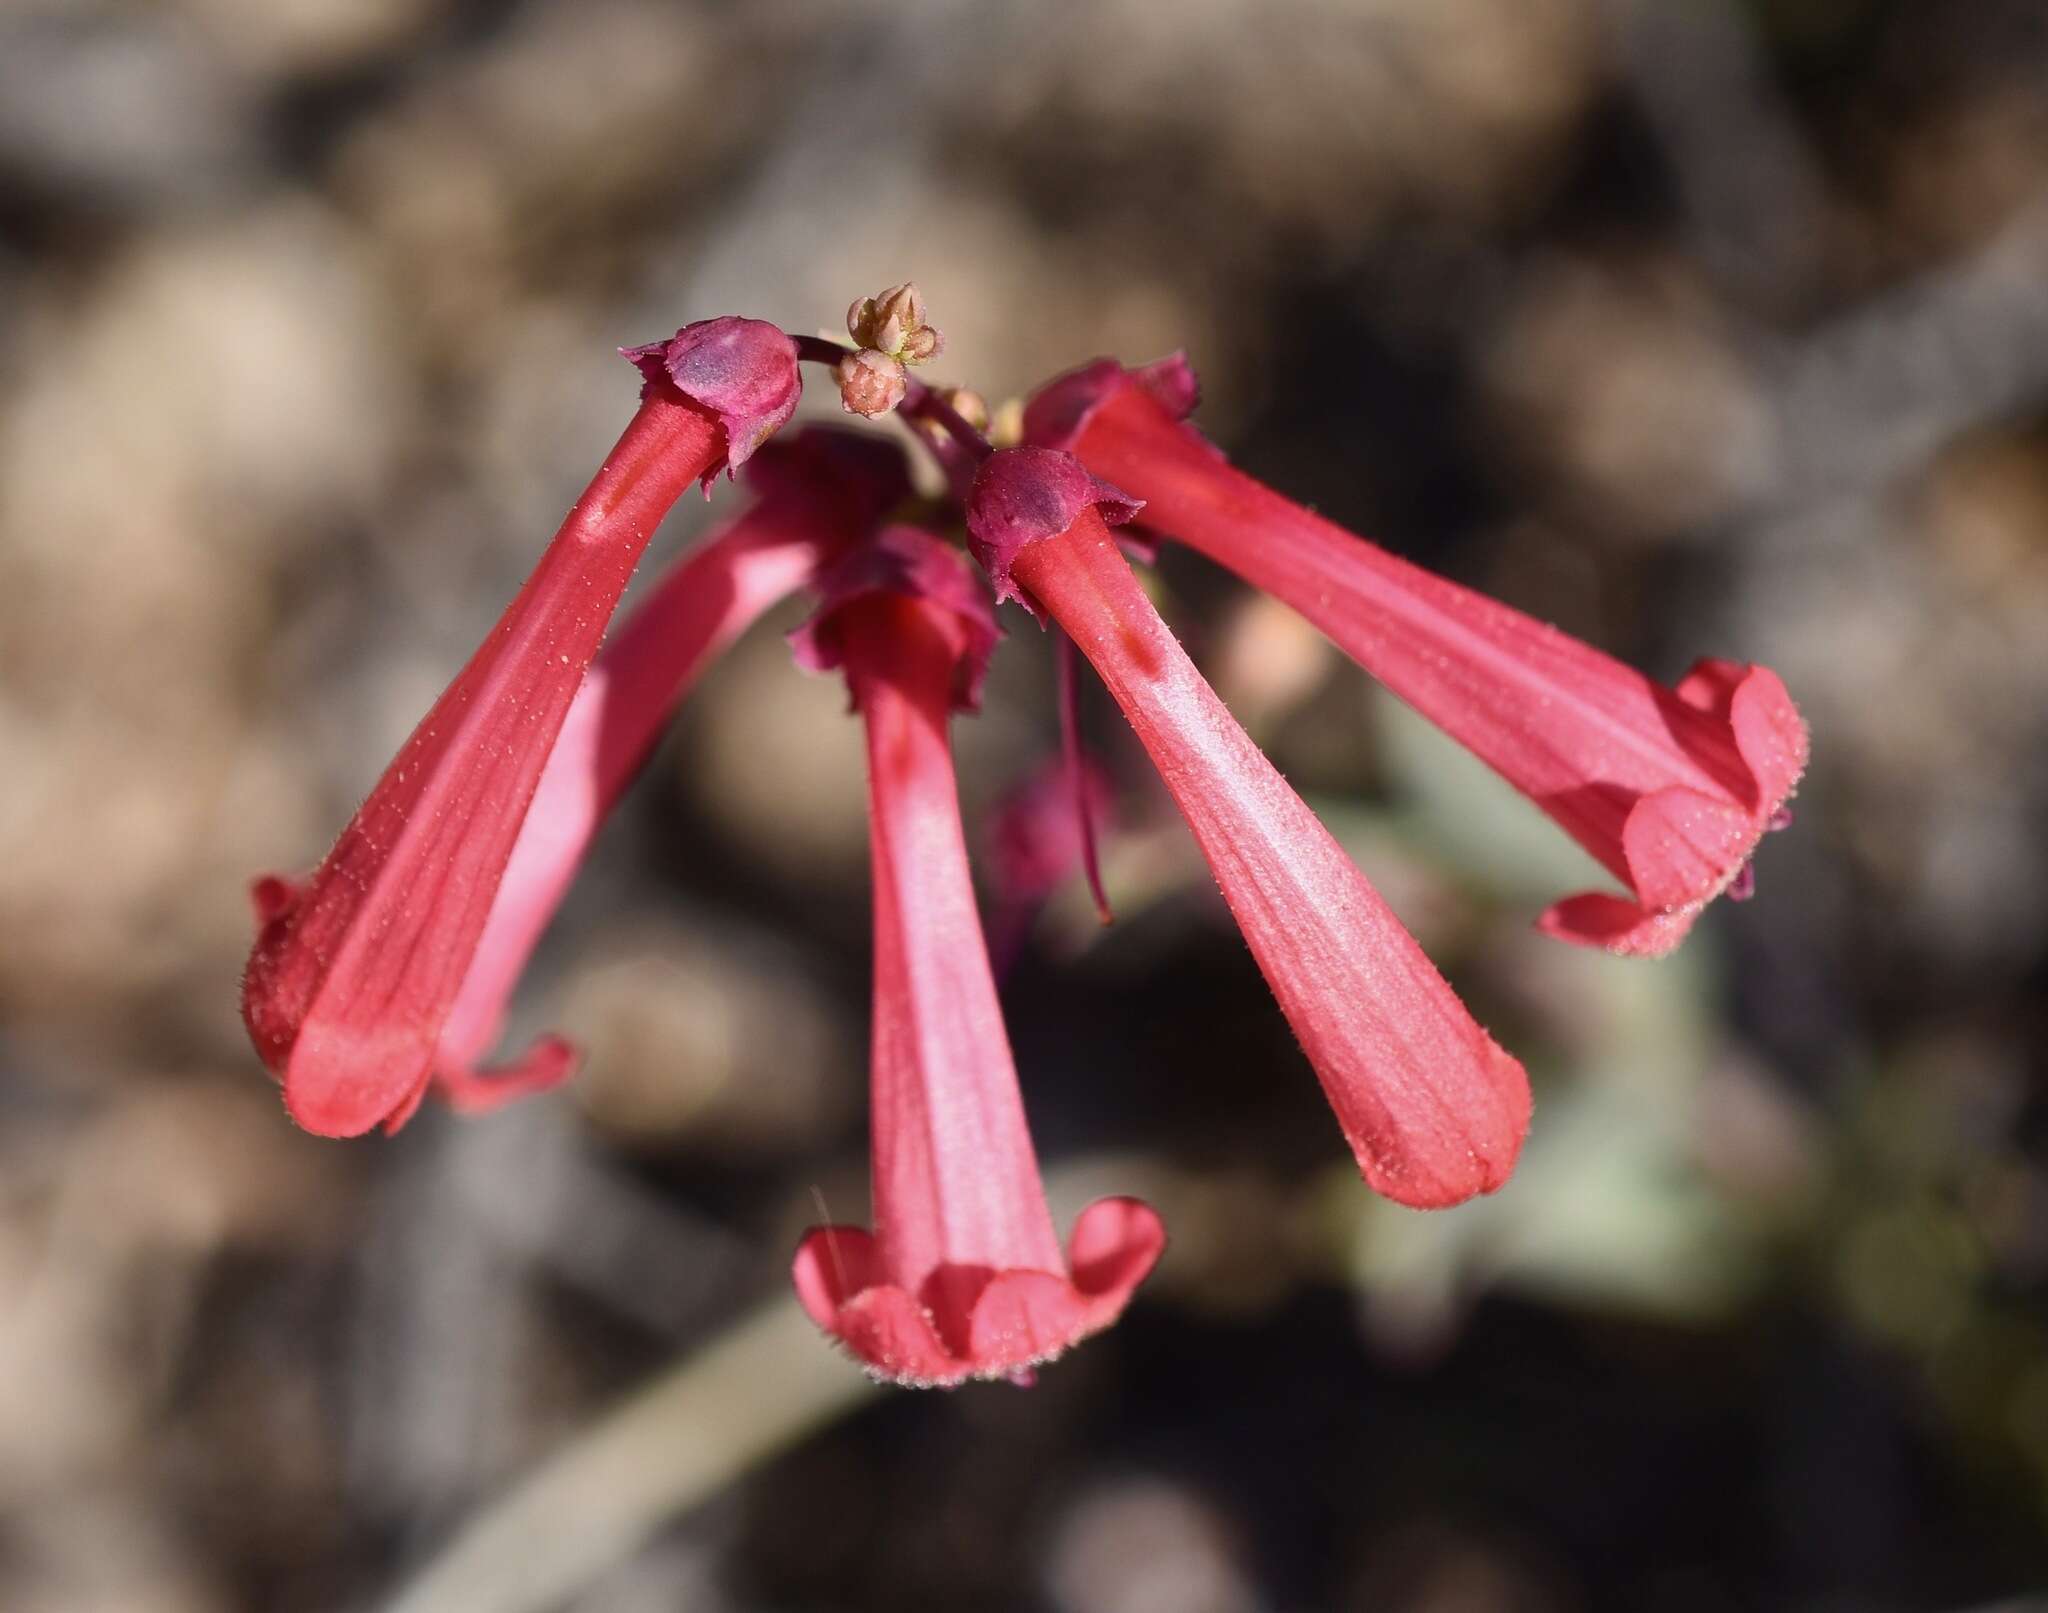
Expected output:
(1697, 326)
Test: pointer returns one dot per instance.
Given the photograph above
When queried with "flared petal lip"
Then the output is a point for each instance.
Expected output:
(1684, 847)
(1018, 1320)
(1436, 1162)
(466, 1088)
(276, 987)
(361, 1097)
(476, 1090)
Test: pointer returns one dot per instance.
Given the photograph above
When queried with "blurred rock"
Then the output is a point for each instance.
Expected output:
(1621, 390)
(103, 1269)
(107, 113)
(1145, 1546)
(534, 157)
(219, 398)
(294, 38)
(1435, 1565)
(773, 756)
(1310, 118)
(1268, 661)
(708, 1040)
(102, 1551)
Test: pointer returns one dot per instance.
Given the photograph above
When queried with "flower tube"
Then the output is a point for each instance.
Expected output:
(962, 1276)
(1668, 789)
(355, 971)
(817, 492)
(1433, 1109)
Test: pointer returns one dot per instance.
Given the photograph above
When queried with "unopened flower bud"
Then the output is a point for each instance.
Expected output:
(904, 304)
(870, 383)
(894, 323)
(881, 322)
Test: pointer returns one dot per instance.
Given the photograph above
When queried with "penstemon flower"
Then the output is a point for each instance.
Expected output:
(387, 972)
(1433, 1109)
(816, 494)
(356, 970)
(1669, 789)
(963, 1276)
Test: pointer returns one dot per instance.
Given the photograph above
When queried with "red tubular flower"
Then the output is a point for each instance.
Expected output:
(1669, 789)
(355, 971)
(1434, 1110)
(817, 492)
(963, 1276)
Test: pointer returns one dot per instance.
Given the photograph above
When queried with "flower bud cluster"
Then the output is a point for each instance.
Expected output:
(890, 332)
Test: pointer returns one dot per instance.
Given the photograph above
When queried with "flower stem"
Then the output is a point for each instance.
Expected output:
(757, 1389)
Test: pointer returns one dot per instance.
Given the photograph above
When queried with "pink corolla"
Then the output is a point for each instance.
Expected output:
(1433, 1109)
(817, 493)
(963, 1275)
(357, 970)
(1668, 789)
